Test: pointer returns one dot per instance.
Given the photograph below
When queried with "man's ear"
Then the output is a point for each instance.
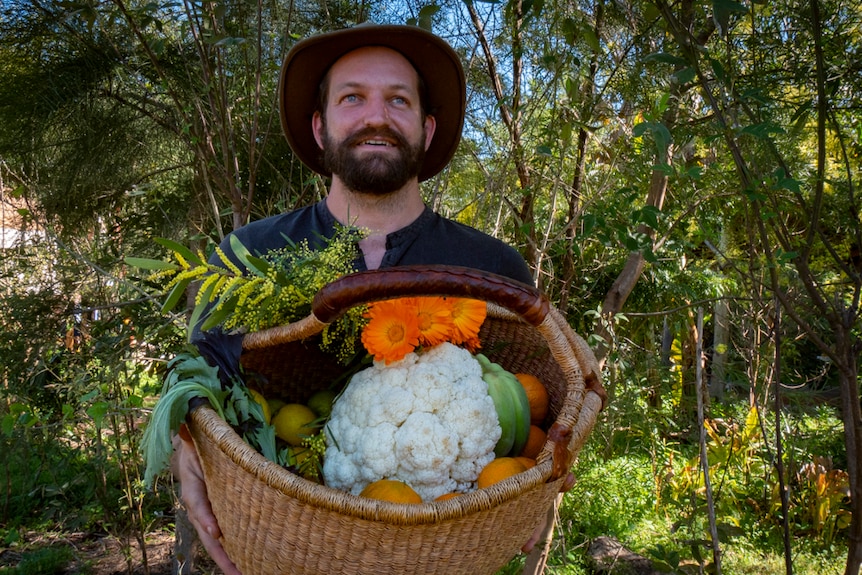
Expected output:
(430, 127)
(317, 127)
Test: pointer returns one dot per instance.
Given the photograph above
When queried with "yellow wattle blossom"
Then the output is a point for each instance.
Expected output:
(226, 261)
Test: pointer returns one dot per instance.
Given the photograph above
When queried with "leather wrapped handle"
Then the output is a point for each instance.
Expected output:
(407, 281)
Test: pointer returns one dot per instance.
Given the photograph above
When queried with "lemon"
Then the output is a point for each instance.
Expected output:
(321, 402)
(275, 404)
(258, 398)
(298, 455)
(292, 423)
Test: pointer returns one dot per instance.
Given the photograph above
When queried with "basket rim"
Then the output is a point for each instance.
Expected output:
(208, 424)
(523, 301)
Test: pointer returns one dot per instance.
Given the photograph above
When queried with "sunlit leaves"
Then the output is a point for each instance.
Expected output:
(763, 130)
(425, 18)
(661, 135)
(723, 10)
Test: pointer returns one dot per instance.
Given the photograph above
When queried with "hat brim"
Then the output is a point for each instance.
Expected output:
(435, 61)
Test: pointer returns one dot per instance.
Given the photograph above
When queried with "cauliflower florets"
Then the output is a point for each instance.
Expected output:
(427, 420)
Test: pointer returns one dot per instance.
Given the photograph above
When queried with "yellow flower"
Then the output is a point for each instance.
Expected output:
(392, 331)
(467, 315)
(435, 320)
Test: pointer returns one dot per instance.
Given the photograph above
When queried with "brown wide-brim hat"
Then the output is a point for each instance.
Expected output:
(434, 60)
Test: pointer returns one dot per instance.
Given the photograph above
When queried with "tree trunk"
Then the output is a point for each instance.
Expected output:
(719, 349)
(851, 415)
(185, 539)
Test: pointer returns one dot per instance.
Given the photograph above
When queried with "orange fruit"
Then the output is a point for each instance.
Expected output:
(446, 496)
(537, 396)
(498, 470)
(535, 442)
(391, 490)
(528, 462)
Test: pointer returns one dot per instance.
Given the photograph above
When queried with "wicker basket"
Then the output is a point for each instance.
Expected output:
(275, 522)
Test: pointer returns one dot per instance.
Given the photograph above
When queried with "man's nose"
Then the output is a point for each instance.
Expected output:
(377, 112)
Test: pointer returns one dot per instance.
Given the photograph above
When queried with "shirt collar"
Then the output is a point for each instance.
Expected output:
(397, 242)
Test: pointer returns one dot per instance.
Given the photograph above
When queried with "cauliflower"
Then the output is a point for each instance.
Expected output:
(427, 420)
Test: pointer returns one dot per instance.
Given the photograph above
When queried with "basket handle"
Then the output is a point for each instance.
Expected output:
(437, 280)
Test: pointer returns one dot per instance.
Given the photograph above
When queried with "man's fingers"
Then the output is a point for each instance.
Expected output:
(199, 508)
(194, 489)
(201, 515)
(187, 468)
(534, 538)
(218, 554)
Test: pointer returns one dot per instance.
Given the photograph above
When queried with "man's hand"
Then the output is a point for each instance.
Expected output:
(187, 469)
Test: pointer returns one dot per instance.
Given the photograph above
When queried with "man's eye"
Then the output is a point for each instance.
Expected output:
(350, 98)
(399, 100)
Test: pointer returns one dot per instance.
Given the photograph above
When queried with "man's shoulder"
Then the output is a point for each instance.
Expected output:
(455, 243)
(303, 214)
(273, 231)
(457, 231)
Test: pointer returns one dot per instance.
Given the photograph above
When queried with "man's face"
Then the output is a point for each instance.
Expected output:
(374, 133)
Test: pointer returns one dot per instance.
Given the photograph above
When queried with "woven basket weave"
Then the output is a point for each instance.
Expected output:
(275, 522)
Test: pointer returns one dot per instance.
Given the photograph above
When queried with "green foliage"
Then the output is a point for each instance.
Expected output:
(820, 497)
(189, 377)
(45, 561)
(78, 363)
(739, 474)
(647, 490)
(275, 289)
(611, 496)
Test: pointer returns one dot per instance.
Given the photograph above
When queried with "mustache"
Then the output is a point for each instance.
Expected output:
(376, 133)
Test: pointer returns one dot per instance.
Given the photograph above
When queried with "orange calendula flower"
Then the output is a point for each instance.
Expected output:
(467, 315)
(392, 331)
(473, 345)
(435, 320)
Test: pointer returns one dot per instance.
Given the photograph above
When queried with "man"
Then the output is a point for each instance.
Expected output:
(379, 109)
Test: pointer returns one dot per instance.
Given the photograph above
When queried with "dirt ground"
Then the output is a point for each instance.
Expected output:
(95, 554)
(106, 555)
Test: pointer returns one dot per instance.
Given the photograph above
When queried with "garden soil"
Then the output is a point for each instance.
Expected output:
(99, 554)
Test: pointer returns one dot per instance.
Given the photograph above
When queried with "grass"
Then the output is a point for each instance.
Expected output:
(43, 561)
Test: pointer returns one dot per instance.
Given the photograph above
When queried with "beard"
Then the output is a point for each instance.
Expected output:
(373, 173)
